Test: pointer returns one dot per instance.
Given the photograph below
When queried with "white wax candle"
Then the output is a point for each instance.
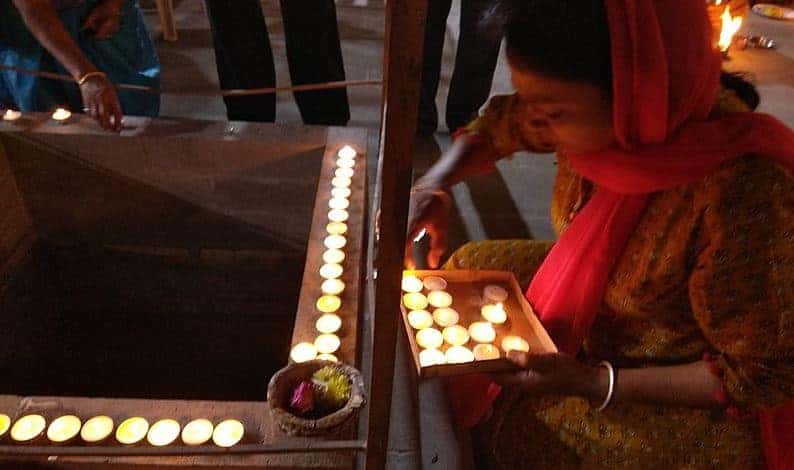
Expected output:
(338, 215)
(327, 343)
(331, 271)
(345, 163)
(61, 114)
(5, 423)
(415, 301)
(335, 241)
(482, 332)
(228, 433)
(132, 430)
(97, 429)
(431, 357)
(435, 283)
(343, 173)
(338, 203)
(328, 323)
(11, 115)
(514, 343)
(336, 228)
(329, 303)
(333, 255)
(163, 432)
(429, 338)
(347, 152)
(420, 319)
(327, 357)
(445, 317)
(64, 428)
(459, 354)
(28, 428)
(411, 283)
(332, 287)
(456, 335)
(484, 352)
(197, 432)
(494, 313)
(340, 192)
(303, 352)
(494, 293)
(439, 299)
(339, 182)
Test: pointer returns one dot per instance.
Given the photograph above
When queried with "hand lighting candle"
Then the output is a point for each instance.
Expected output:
(197, 432)
(429, 338)
(163, 432)
(228, 433)
(28, 428)
(63, 429)
(97, 429)
(132, 430)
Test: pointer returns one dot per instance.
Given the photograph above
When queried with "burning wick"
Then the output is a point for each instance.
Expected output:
(730, 25)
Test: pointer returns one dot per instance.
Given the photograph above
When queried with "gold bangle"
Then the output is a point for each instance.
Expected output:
(85, 77)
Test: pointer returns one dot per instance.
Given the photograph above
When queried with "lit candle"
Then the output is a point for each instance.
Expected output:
(331, 271)
(482, 332)
(332, 287)
(420, 319)
(456, 335)
(11, 115)
(197, 432)
(5, 423)
(514, 343)
(338, 215)
(344, 173)
(303, 352)
(328, 303)
(340, 182)
(484, 352)
(494, 313)
(335, 241)
(439, 299)
(415, 301)
(63, 429)
(327, 357)
(338, 203)
(333, 255)
(97, 429)
(228, 433)
(494, 293)
(445, 317)
(345, 163)
(431, 357)
(132, 430)
(429, 338)
(435, 283)
(411, 283)
(459, 354)
(28, 428)
(336, 228)
(327, 343)
(340, 192)
(61, 114)
(347, 152)
(163, 432)
(328, 323)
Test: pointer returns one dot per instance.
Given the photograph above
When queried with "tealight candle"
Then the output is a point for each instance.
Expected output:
(344, 173)
(420, 319)
(514, 343)
(347, 152)
(439, 299)
(197, 432)
(485, 352)
(495, 293)
(435, 283)
(11, 115)
(61, 114)
(327, 343)
(494, 313)
(411, 283)
(335, 241)
(228, 433)
(303, 352)
(431, 357)
(334, 255)
(331, 270)
(328, 303)
(328, 323)
(63, 429)
(429, 338)
(415, 301)
(132, 430)
(332, 286)
(458, 355)
(97, 429)
(28, 428)
(345, 163)
(341, 182)
(5, 423)
(456, 335)
(482, 332)
(338, 203)
(163, 432)
(327, 357)
(338, 215)
(445, 317)
(336, 228)
(340, 192)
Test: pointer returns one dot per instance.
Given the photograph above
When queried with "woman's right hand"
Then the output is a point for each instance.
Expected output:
(429, 211)
(101, 102)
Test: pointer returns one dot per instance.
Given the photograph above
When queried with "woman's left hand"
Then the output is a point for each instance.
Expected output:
(104, 19)
(555, 373)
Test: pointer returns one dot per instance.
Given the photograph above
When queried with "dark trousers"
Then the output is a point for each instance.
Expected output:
(244, 58)
(475, 62)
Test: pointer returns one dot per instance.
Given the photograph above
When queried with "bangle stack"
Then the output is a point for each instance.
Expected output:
(89, 75)
(611, 390)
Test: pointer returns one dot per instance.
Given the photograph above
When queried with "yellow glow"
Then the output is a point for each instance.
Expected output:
(97, 429)
(5, 423)
(494, 313)
(336, 228)
(333, 255)
(303, 352)
(28, 428)
(327, 343)
(338, 203)
(328, 323)
(459, 355)
(494, 293)
(345, 163)
(163, 432)
(347, 152)
(514, 343)
(415, 301)
(328, 357)
(420, 319)
(329, 303)
(431, 357)
(132, 430)
(335, 241)
(429, 338)
(11, 115)
(439, 299)
(445, 317)
(197, 432)
(344, 173)
(339, 182)
(340, 192)
(64, 428)
(730, 26)
(411, 283)
(61, 114)
(435, 283)
(331, 271)
(484, 352)
(338, 215)
(228, 433)
(332, 287)
(482, 332)
(456, 335)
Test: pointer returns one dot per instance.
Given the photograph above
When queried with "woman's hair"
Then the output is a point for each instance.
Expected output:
(569, 40)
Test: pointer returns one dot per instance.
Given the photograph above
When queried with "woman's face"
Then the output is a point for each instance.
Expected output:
(576, 115)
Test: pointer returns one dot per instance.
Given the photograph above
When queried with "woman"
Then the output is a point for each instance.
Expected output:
(97, 42)
(676, 256)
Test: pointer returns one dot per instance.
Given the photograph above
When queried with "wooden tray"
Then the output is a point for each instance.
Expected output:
(466, 288)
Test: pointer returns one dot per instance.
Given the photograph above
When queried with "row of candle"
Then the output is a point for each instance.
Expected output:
(326, 343)
(131, 431)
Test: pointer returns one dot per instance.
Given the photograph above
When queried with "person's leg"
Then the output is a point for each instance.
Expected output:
(243, 57)
(475, 63)
(435, 29)
(315, 56)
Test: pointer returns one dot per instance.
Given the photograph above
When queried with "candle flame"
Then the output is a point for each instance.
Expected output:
(730, 25)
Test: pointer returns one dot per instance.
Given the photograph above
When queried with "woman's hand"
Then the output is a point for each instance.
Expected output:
(101, 102)
(428, 211)
(104, 19)
(555, 373)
